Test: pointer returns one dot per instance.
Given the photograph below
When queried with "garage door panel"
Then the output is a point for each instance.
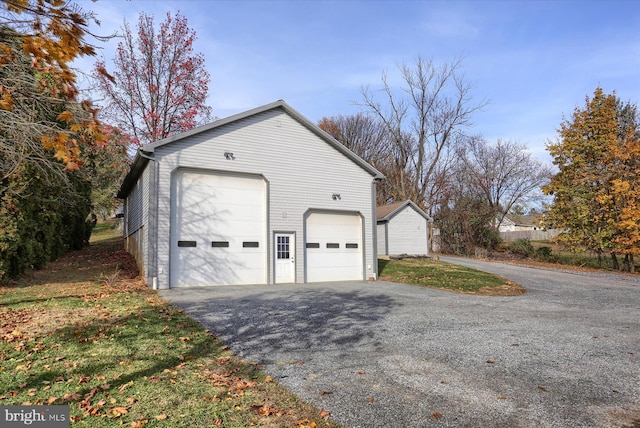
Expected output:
(226, 211)
(325, 232)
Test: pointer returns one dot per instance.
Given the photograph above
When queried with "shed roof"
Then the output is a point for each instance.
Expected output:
(386, 212)
(145, 153)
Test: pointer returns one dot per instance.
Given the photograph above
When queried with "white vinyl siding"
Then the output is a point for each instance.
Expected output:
(137, 220)
(407, 233)
(382, 239)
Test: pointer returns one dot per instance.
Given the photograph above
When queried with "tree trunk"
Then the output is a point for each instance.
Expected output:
(631, 264)
(625, 264)
(614, 260)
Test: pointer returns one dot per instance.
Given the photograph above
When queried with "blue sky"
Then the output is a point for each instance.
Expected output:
(533, 61)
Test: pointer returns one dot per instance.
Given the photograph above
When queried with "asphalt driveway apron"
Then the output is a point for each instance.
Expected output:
(380, 354)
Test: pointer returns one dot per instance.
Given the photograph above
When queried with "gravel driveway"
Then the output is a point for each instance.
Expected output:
(380, 354)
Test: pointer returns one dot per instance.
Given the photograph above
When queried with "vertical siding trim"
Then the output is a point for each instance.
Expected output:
(374, 230)
(152, 257)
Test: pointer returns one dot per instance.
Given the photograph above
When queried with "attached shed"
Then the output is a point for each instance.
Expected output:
(261, 197)
(403, 228)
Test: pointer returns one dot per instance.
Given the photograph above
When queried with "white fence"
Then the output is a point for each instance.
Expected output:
(532, 235)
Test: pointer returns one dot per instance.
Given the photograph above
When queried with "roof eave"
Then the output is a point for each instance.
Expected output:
(141, 161)
(410, 203)
(139, 164)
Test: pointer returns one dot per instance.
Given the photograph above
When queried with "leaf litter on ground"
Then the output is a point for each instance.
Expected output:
(77, 334)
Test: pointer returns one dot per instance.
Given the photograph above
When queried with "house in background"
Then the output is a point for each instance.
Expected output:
(403, 229)
(519, 223)
(261, 197)
(514, 227)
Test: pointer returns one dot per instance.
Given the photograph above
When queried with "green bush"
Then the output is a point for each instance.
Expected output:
(543, 253)
(521, 247)
(41, 217)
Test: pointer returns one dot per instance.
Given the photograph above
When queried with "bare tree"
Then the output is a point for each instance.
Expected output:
(503, 174)
(422, 120)
(360, 133)
(367, 137)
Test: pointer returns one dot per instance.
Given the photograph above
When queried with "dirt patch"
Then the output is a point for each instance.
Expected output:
(29, 323)
(510, 289)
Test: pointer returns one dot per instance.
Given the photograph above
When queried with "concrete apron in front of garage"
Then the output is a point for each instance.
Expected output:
(379, 354)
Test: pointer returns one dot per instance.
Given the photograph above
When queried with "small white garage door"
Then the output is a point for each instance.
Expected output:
(333, 247)
(218, 230)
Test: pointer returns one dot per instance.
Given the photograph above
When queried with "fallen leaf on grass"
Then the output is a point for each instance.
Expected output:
(140, 423)
(161, 417)
(264, 410)
(305, 423)
(241, 384)
(117, 411)
(71, 397)
(124, 386)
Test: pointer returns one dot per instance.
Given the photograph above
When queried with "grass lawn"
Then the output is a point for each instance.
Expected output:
(436, 274)
(87, 332)
(581, 260)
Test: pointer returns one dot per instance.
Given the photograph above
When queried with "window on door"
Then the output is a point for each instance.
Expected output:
(283, 247)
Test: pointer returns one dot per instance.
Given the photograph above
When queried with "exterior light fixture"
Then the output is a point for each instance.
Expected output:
(229, 156)
(336, 196)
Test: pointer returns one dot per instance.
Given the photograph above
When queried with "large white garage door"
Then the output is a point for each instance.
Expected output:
(218, 230)
(333, 247)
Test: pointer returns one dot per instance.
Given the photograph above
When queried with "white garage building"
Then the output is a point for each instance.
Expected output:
(403, 229)
(261, 197)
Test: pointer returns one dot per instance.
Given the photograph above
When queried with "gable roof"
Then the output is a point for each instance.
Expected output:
(145, 153)
(386, 212)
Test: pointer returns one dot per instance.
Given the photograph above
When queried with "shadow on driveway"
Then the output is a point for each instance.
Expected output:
(381, 354)
(285, 319)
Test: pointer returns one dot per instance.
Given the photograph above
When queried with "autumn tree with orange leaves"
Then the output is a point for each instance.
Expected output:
(158, 86)
(596, 192)
(39, 106)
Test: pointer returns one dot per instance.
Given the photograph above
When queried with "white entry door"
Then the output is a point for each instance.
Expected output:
(284, 251)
